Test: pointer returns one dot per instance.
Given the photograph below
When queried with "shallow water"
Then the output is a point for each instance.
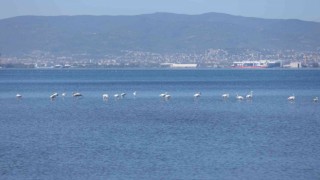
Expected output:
(146, 137)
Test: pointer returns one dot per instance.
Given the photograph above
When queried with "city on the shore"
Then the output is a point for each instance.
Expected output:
(212, 58)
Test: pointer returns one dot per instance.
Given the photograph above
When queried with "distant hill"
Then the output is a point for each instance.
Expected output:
(159, 32)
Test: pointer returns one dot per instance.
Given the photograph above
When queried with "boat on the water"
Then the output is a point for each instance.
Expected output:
(256, 64)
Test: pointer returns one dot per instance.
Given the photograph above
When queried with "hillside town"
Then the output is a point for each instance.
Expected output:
(212, 58)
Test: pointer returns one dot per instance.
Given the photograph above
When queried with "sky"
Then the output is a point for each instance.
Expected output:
(275, 9)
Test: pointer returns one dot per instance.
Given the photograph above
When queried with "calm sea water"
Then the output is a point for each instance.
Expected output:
(146, 137)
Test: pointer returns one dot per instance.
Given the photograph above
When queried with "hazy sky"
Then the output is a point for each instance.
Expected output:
(285, 9)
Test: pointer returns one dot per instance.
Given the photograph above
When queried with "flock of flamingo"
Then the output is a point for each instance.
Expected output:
(165, 96)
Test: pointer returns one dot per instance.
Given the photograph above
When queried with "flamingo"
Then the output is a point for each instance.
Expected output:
(316, 99)
(76, 94)
(163, 94)
(196, 95)
(291, 98)
(19, 96)
(250, 95)
(239, 97)
(225, 96)
(105, 96)
(54, 95)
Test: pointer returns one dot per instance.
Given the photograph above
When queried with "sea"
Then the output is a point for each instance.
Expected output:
(150, 137)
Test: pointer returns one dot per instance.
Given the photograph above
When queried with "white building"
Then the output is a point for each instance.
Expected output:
(293, 65)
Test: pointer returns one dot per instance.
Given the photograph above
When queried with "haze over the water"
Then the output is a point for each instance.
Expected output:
(277, 9)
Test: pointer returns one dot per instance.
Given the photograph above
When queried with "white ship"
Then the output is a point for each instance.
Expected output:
(256, 64)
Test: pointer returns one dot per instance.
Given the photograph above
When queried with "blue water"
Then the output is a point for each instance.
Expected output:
(146, 137)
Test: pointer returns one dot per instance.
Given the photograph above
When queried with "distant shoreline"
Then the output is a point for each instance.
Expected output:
(168, 69)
